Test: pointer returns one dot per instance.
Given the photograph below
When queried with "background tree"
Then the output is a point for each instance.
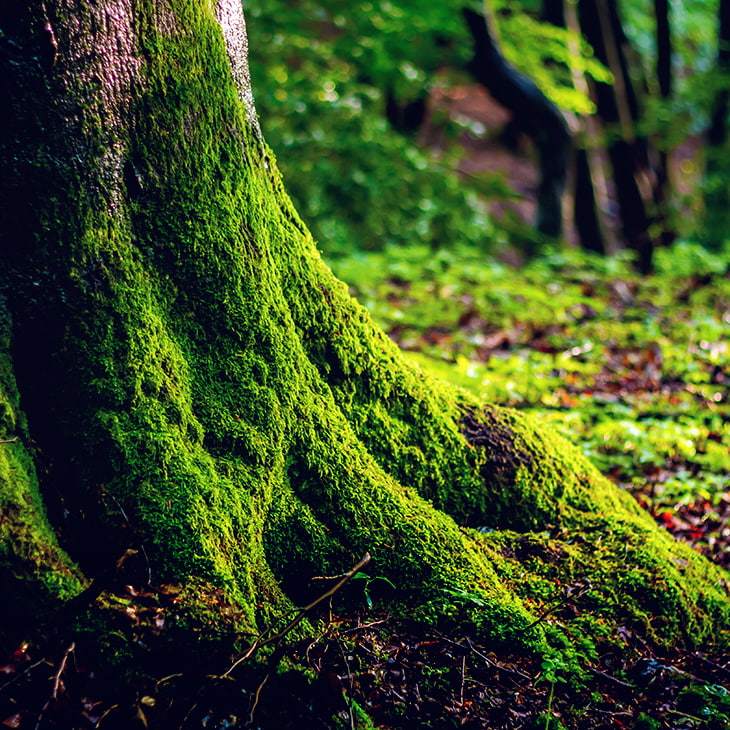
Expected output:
(665, 77)
(365, 73)
(382, 61)
(717, 196)
(619, 107)
(189, 396)
(534, 113)
(590, 196)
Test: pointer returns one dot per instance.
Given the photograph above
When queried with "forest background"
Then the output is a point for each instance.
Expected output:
(420, 189)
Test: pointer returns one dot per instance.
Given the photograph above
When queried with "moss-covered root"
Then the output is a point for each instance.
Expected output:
(41, 575)
(497, 469)
(668, 590)
(208, 394)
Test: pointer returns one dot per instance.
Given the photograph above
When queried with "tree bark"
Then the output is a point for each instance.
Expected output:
(591, 199)
(665, 77)
(717, 197)
(664, 48)
(198, 401)
(534, 112)
(619, 108)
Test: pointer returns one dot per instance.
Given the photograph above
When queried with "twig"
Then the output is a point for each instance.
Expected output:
(610, 678)
(149, 565)
(105, 714)
(22, 674)
(9, 441)
(301, 613)
(166, 679)
(61, 667)
(187, 716)
(318, 663)
(366, 626)
(684, 714)
(141, 547)
(463, 674)
(256, 697)
(56, 683)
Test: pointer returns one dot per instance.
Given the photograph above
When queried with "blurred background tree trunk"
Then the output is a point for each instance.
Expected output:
(717, 155)
(533, 112)
(632, 158)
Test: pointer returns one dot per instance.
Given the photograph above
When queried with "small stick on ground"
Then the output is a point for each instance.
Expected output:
(56, 682)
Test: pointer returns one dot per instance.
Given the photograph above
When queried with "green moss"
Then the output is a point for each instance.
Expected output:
(31, 561)
(230, 409)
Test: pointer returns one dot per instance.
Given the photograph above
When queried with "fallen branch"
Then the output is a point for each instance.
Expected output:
(256, 697)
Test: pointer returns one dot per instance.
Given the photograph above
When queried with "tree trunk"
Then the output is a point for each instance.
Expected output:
(717, 197)
(591, 199)
(664, 48)
(665, 78)
(619, 108)
(188, 396)
(533, 112)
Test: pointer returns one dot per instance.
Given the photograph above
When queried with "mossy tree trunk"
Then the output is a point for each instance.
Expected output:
(183, 381)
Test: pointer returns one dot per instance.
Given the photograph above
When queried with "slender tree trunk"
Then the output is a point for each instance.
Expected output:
(591, 209)
(189, 397)
(619, 108)
(665, 78)
(534, 112)
(717, 196)
(664, 48)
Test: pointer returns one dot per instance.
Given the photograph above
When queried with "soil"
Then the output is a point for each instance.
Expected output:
(402, 674)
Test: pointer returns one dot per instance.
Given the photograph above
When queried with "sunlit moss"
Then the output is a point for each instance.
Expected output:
(229, 408)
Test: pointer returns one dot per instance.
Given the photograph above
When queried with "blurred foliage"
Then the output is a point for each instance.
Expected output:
(670, 123)
(694, 41)
(696, 79)
(545, 53)
(322, 73)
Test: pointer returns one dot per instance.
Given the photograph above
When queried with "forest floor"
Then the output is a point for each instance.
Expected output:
(657, 376)
(358, 670)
